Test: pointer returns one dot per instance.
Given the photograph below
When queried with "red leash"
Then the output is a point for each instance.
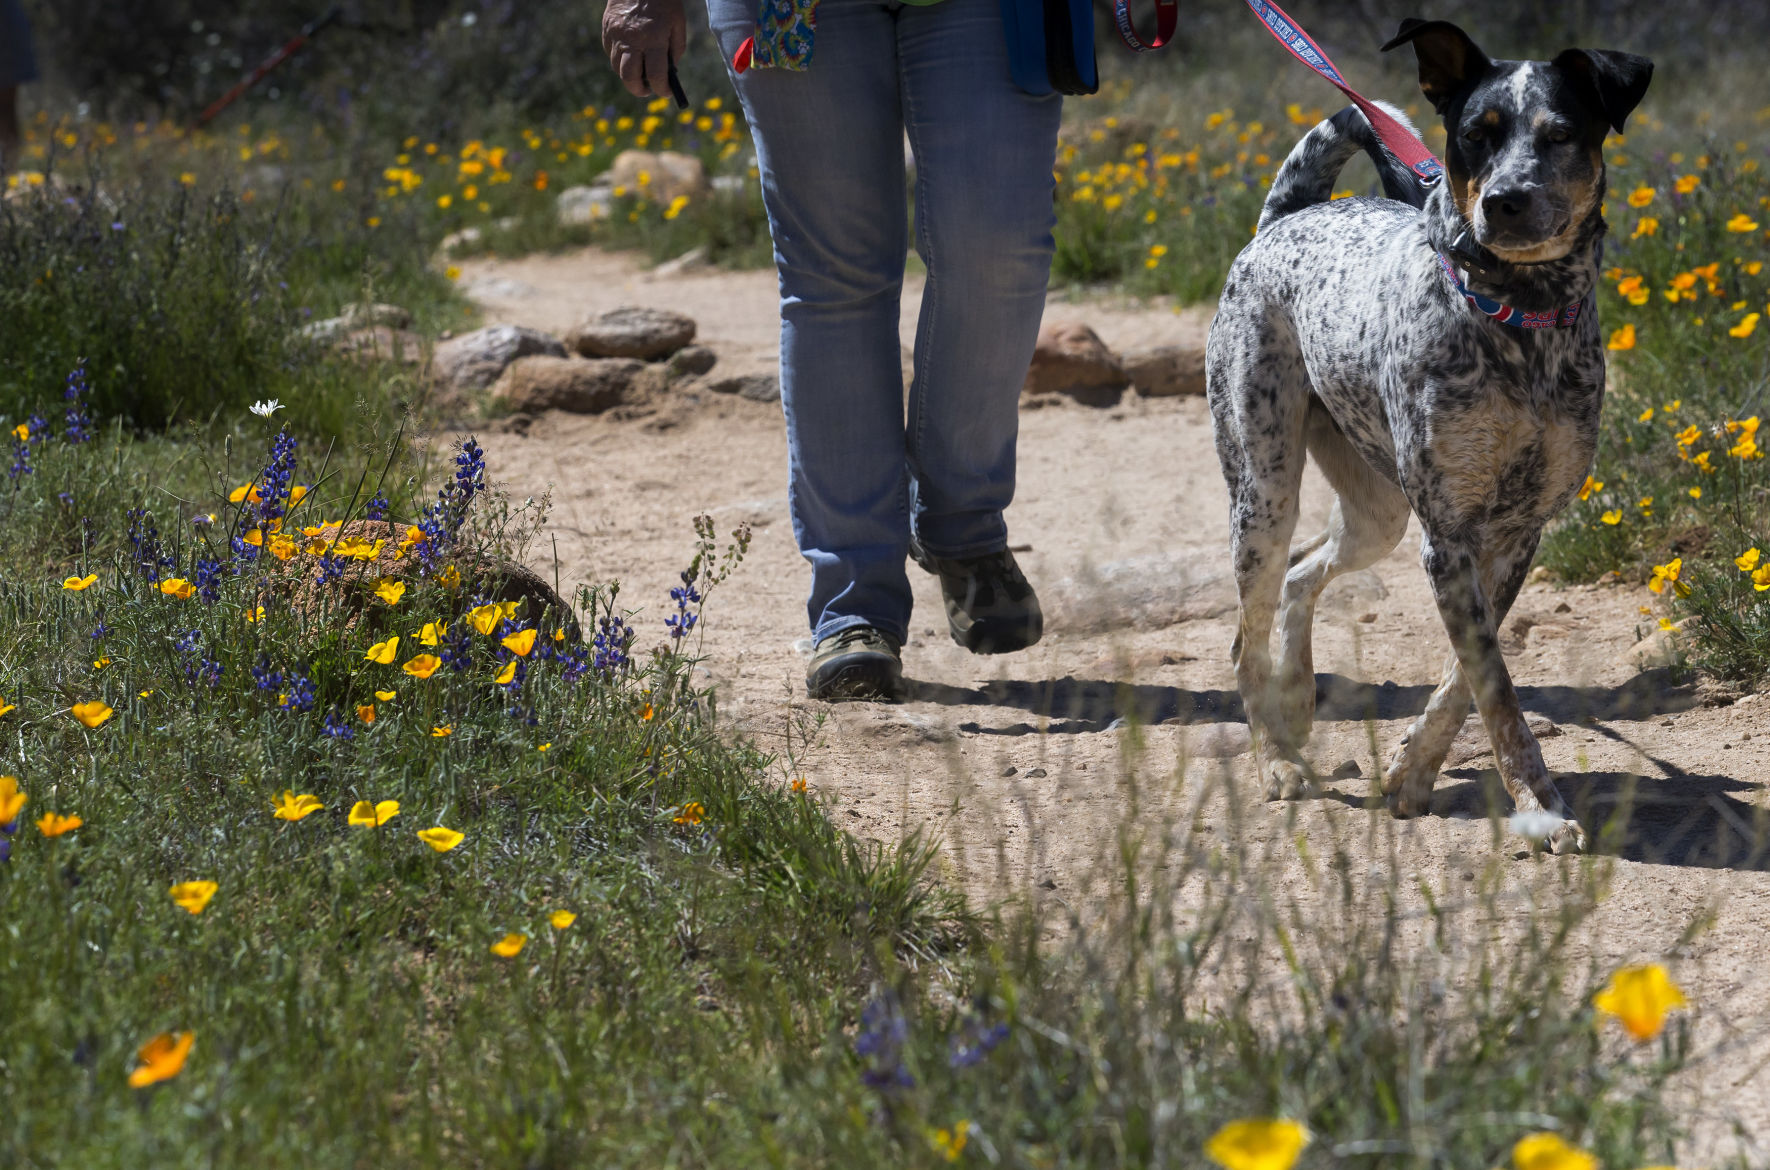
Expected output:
(1400, 141)
(277, 58)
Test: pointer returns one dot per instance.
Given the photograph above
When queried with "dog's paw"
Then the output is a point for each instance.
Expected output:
(1288, 780)
(1409, 801)
(1407, 786)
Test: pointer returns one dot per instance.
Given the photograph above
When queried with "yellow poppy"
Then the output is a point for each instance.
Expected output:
(255, 536)
(11, 799)
(509, 946)
(1641, 196)
(1257, 1143)
(373, 816)
(178, 587)
(1742, 223)
(423, 666)
(22, 432)
(449, 578)
(1667, 574)
(76, 584)
(290, 807)
(366, 712)
(1547, 1151)
(507, 674)
(560, 919)
(383, 652)
(1747, 561)
(161, 1058)
(1623, 338)
(92, 714)
(55, 824)
(239, 493)
(281, 547)
(387, 696)
(390, 591)
(1746, 325)
(485, 618)
(519, 643)
(691, 813)
(101, 663)
(5, 706)
(193, 896)
(432, 632)
(1686, 184)
(1591, 485)
(1640, 997)
(541, 747)
(440, 839)
(442, 732)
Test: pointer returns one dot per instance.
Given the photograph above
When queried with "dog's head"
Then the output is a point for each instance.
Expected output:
(1525, 153)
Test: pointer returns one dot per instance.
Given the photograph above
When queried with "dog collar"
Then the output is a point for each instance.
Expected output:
(1506, 314)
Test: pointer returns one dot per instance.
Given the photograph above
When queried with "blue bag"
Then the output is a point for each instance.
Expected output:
(1051, 45)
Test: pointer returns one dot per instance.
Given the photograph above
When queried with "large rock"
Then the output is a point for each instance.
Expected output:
(632, 332)
(691, 361)
(574, 384)
(356, 317)
(660, 177)
(475, 360)
(577, 206)
(1071, 359)
(1166, 371)
(382, 344)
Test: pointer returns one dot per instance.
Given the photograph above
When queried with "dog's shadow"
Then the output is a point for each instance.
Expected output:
(1068, 705)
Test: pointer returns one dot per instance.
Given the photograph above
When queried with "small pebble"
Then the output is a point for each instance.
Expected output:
(1367, 618)
(1035, 773)
(1564, 608)
(1010, 770)
(1047, 884)
(1665, 722)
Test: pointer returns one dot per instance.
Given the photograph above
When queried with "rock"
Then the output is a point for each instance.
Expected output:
(466, 238)
(356, 317)
(382, 344)
(691, 361)
(755, 387)
(1660, 648)
(1538, 575)
(1471, 743)
(577, 206)
(689, 261)
(1166, 371)
(577, 385)
(660, 177)
(1069, 358)
(632, 332)
(475, 360)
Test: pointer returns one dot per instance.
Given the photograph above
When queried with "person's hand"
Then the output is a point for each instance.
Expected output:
(642, 38)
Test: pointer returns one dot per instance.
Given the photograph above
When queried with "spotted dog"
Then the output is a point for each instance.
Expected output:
(1437, 352)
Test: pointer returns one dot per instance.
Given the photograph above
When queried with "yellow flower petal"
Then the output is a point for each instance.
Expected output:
(509, 946)
(432, 632)
(92, 714)
(387, 696)
(178, 587)
(1640, 997)
(366, 712)
(442, 732)
(76, 584)
(390, 591)
(1257, 1143)
(560, 919)
(55, 824)
(519, 643)
(11, 799)
(507, 674)
(485, 618)
(1547, 1151)
(440, 838)
(383, 652)
(161, 1058)
(373, 816)
(423, 666)
(290, 807)
(193, 896)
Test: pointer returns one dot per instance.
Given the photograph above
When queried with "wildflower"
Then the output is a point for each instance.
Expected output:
(440, 838)
(431, 632)
(1641, 196)
(647, 713)
(263, 677)
(373, 816)
(1686, 184)
(449, 578)
(387, 696)
(560, 919)
(1742, 223)
(193, 896)
(265, 408)
(798, 785)
(332, 727)
(423, 666)
(1761, 578)
(951, 1143)
(1695, 493)
(1746, 324)
(300, 695)
(691, 813)
(383, 652)
(1701, 460)
(12, 801)
(972, 1042)
(5, 706)
(389, 590)
(91, 714)
(541, 747)
(519, 643)
(1547, 1151)
(208, 580)
(1591, 485)
(76, 584)
(1645, 503)
(163, 1057)
(55, 824)
(178, 587)
(1747, 561)
(507, 675)
(883, 1032)
(1623, 338)
(366, 712)
(442, 732)
(1640, 997)
(290, 807)
(1667, 574)
(282, 547)
(376, 508)
(509, 946)
(1257, 1143)
(485, 618)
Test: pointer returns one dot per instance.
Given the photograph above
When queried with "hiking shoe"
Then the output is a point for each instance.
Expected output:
(857, 663)
(990, 606)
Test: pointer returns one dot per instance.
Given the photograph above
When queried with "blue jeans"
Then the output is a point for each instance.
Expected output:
(829, 144)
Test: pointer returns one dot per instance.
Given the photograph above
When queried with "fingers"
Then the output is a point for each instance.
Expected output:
(630, 65)
(657, 71)
(678, 36)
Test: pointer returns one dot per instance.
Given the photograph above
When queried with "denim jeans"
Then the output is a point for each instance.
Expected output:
(829, 144)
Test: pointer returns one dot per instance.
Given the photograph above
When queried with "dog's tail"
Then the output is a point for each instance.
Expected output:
(1308, 174)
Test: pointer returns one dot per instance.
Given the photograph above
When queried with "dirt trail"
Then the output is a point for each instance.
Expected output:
(1017, 763)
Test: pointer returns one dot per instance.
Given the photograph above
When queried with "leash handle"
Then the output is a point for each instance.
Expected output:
(1398, 140)
(1167, 16)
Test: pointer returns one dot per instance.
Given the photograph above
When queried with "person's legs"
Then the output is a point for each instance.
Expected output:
(829, 143)
(9, 129)
(984, 153)
(18, 65)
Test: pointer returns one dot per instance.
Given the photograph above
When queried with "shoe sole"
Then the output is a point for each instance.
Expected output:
(859, 676)
(993, 637)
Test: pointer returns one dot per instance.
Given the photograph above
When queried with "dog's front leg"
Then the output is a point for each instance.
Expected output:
(1468, 610)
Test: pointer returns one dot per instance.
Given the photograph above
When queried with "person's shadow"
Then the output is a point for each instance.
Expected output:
(1688, 819)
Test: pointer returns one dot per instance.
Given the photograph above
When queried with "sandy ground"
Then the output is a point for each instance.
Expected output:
(1022, 766)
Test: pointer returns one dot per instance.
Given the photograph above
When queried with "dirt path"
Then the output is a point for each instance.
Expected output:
(1019, 765)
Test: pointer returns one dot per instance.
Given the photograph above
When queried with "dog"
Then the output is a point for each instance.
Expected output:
(1438, 353)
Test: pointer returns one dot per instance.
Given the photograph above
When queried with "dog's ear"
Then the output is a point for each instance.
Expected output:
(1613, 83)
(1448, 58)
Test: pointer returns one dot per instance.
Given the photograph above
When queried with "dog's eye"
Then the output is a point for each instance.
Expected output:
(1559, 135)
(1475, 134)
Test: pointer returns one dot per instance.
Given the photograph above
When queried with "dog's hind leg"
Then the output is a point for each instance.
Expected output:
(1259, 395)
(1369, 518)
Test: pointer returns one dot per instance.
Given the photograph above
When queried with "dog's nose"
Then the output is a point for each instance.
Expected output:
(1504, 208)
